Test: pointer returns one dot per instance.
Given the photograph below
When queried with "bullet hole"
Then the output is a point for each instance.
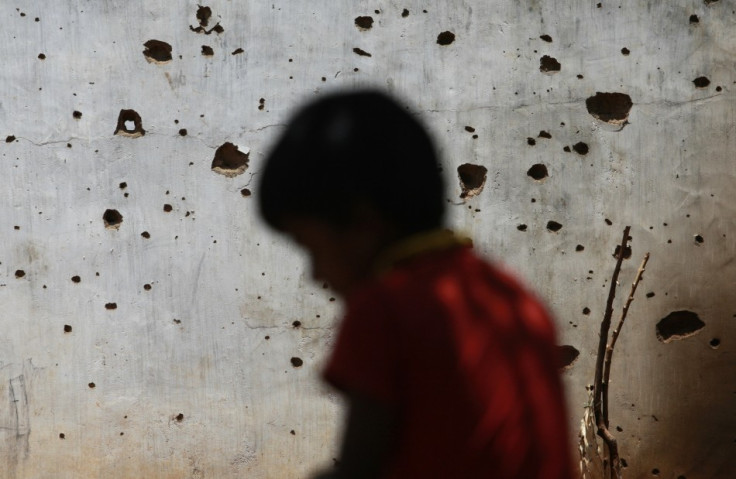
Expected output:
(245, 192)
(296, 324)
(719, 89)
(129, 124)
(292, 432)
(715, 343)
(297, 362)
(470, 129)
(694, 19)
(179, 417)
(566, 149)
(77, 114)
(203, 15)
(157, 51)
(580, 148)
(364, 23)
(229, 161)
(579, 248)
(699, 239)
(472, 179)
(708, 2)
(111, 306)
(261, 103)
(267, 338)
(580, 77)
(237, 51)
(91, 385)
(41, 56)
(76, 279)
(538, 172)
(147, 287)
(586, 311)
(547, 64)
(546, 38)
(655, 472)
(609, 107)
(361, 52)
(207, 51)
(146, 234)
(623, 461)
(183, 132)
(567, 355)
(531, 141)
(544, 134)
(112, 219)
(9, 139)
(123, 185)
(625, 51)
(522, 227)
(68, 145)
(168, 208)
(627, 252)
(445, 38)
(554, 226)
(67, 328)
(405, 13)
(650, 294)
(61, 435)
(678, 325)
(19, 273)
(701, 82)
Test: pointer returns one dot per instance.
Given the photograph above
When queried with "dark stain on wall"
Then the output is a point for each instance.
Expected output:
(157, 51)
(472, 179)
(609, 107)
(678, 325)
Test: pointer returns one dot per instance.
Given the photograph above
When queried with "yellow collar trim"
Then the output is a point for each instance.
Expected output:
(416, 245)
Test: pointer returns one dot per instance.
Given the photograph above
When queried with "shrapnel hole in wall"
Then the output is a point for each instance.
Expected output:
(611, 108)
(229, 160)
(445, 38)
(538, 172)
(364, 22)
(157, 51)
(554, 226)
(701, 82)
(567, 355)
(112, 219)
(472, 179)
(581, 148)
(549, 65)
(129, 124)
(678, 325)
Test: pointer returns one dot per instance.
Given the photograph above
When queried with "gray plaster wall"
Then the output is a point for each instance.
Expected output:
(194, 350)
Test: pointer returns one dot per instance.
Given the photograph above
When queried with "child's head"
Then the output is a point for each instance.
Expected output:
(358, 164)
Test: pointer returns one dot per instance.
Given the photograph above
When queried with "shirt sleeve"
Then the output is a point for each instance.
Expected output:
(365, 358)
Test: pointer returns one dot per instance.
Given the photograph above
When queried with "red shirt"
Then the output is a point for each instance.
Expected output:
(468, 359)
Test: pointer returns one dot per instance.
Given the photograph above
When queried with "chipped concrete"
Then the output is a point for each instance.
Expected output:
(189, 311)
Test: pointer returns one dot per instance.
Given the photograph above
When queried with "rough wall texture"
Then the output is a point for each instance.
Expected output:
(161, 340)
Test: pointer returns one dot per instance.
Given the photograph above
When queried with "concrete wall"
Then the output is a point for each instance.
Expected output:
(170, 354)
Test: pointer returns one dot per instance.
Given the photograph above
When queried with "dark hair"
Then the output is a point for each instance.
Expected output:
(351, 149)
